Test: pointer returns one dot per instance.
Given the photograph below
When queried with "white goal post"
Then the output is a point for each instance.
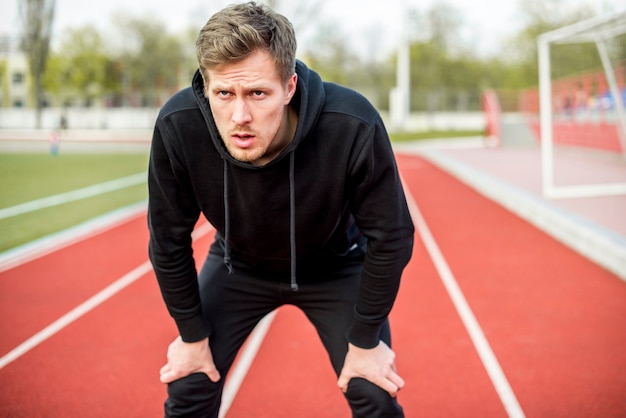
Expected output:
(599, 31)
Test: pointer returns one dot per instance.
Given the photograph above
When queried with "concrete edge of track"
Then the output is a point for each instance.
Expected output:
(599, 244)
(45, 245)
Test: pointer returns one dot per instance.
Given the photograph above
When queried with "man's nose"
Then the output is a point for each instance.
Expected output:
(241, 112)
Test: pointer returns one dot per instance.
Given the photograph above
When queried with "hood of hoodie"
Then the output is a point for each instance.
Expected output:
(308, 101)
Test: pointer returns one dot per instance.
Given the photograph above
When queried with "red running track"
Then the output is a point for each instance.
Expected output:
(554, 322)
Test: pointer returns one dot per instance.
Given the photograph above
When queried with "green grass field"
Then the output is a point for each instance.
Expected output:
(425, 135)
(27, 177)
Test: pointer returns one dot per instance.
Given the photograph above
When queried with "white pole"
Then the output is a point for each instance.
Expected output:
(545, 116)
(617, 97)
(400, 95)
(404, 80)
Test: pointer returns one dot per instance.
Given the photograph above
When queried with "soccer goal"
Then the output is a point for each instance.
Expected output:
(583, 107)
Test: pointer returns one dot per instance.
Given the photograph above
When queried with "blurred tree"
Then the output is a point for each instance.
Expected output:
(152, 60)
(543, 16)
(190, 62)
(445, 73)
(82, 69)
(4, 97)
(298, 12)
(336, 61)
(36, 17)
(149, 64)
(330, 56)
(442, 25)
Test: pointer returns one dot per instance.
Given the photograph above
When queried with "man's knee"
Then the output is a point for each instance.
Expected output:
(368, 400)
(193, 396)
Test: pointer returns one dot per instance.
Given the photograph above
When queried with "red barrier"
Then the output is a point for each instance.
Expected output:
(583, 110)
(492, 111)
(601, 136)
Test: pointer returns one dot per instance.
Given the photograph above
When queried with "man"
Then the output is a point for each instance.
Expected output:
(299, 180)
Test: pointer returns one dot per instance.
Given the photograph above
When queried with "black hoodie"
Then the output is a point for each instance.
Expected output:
(335, 186)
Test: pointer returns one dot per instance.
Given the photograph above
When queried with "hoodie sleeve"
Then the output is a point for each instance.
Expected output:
(172, 215)
(382, 214)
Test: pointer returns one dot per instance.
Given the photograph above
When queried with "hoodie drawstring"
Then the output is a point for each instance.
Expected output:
(292, 221)
(227, 260)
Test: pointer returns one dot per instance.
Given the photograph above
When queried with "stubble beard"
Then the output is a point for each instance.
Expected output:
(244, 155)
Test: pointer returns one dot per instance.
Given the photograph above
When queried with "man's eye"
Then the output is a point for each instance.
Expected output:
(223, 93)
(258, 93)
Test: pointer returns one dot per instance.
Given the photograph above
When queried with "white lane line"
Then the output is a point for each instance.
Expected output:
(78, 194)
(486, 354)
(235, 379)
(87, 306)
(35, 249)
(75, 314)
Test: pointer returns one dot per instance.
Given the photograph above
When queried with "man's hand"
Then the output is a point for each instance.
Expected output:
(378, 365)
(184, 359)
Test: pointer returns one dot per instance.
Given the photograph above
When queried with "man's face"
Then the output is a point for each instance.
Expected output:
(250, 106)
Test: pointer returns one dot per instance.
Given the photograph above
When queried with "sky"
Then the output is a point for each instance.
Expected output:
(366, 23)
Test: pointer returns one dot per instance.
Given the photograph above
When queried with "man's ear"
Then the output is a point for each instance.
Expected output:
(291, 88)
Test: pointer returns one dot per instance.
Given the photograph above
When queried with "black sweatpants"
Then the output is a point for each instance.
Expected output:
(234, 303)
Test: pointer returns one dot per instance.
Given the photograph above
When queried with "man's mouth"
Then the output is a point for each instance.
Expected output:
(243, 140)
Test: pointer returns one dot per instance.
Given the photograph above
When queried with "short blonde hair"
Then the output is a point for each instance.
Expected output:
(238, 30)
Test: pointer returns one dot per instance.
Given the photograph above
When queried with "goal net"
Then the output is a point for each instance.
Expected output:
(582, 97)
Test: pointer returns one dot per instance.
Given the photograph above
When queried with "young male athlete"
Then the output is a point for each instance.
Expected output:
(299, 180)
